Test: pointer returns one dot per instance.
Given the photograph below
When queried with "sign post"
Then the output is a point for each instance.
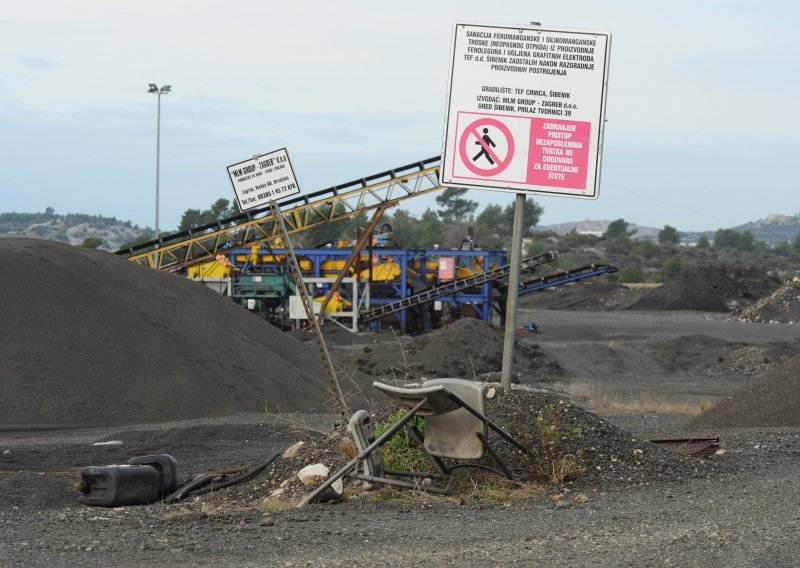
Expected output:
(261, 181)
(525, 114)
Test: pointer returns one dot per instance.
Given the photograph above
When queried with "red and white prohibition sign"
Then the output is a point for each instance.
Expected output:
(480, 132)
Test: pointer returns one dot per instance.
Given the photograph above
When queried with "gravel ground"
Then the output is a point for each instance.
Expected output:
(635, 505)
(746, 514)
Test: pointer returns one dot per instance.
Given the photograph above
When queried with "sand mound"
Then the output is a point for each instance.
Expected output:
(771, 400)
(708, 289)
(90, 339)
(782, 306)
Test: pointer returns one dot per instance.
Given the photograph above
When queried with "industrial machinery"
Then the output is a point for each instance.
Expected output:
(240, 256)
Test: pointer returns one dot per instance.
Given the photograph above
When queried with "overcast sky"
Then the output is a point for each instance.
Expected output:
(703, 101)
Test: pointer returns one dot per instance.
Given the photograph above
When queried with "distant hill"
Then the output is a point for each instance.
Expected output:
(598, 227)
(772, 230)
(72, 228)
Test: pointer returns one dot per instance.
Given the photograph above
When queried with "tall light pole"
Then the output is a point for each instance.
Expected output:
(162, 91)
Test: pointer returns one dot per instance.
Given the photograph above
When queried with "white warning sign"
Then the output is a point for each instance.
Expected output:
(262, 179)
(526, 109)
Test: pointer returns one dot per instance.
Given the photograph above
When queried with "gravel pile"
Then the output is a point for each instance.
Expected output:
(603, 454)
(772, 399)
(709, 289)
(781, 306)
(468, 348)
(597, 294)
(90, 339)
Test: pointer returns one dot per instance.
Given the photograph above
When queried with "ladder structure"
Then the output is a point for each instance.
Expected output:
(180, 250)
(455, 286)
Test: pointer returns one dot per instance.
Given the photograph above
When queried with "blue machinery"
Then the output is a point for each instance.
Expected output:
(410, 272)
(403, 284)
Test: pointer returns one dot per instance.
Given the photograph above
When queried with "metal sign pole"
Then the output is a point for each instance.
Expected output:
(513, 288)
(336, 389)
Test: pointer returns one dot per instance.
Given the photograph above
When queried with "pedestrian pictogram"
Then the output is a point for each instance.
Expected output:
(487, 133)
(484, 144)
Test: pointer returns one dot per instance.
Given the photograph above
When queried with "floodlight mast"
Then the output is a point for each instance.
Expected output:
(153, 88)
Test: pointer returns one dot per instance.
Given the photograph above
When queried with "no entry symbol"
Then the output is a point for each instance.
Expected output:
(485, 133)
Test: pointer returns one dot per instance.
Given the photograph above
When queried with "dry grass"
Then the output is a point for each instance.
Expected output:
(467, 490)
(643, 402)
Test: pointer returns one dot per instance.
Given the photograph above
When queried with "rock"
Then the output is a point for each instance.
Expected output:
(581, 498)
(313, 474)
(293, 450)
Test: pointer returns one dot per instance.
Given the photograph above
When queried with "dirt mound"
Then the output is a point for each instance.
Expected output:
(692, 353)
(468, 348)
(781, 306)
(708, 289)
(597, 295)
(771, 400)
(606, 455)
(90, 339)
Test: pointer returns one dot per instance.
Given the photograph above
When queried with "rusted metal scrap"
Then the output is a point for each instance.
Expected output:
(694, 447)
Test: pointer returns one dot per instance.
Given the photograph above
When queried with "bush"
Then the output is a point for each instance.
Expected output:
(631, 274)
(673, 266)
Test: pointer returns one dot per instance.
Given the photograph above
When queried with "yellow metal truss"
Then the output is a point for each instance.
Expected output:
(179, 251)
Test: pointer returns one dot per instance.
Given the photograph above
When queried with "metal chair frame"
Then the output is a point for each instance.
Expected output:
(433, 400)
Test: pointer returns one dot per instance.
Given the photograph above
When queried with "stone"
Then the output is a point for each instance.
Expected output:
(581, 498)
(313, 474)
(292, 450)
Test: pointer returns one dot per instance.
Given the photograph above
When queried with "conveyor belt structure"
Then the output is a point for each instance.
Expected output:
(430, 294)
(180, 250)
(565, 277)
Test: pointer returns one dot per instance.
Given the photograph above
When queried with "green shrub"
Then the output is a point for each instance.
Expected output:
(401, 452)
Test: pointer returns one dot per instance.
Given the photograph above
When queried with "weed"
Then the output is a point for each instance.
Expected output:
(554, 464)
(401, 452)
(644, 402)
(406, 373)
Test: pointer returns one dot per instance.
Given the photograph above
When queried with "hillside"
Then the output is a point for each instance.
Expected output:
(772, 230)
(597, 227)
(72, 228)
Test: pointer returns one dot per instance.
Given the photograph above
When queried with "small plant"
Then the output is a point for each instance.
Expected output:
(401, 452)
(554, 464)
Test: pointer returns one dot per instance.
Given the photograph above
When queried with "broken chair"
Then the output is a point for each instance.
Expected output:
(455, 435)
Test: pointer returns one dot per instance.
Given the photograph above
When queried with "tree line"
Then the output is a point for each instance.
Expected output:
(457, 218)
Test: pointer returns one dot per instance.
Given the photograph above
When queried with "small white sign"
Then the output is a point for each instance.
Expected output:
(297, 310)
(526, 109)
(262, 179)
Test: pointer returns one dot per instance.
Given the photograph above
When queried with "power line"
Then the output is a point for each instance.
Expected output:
(675, 205)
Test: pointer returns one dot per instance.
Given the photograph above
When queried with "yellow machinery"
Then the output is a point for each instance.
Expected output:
(221, 267)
